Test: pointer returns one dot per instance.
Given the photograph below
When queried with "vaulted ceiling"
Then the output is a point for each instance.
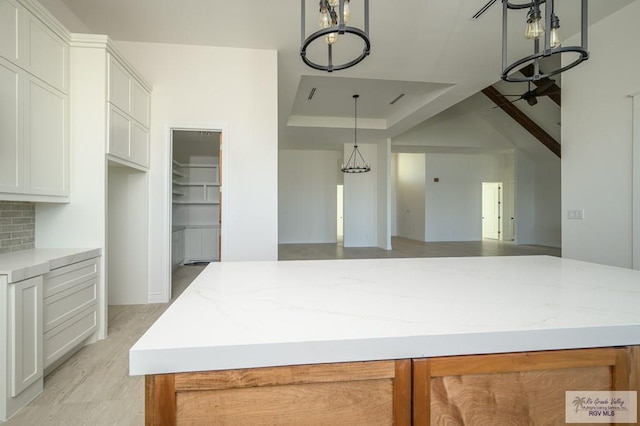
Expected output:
(432, 51)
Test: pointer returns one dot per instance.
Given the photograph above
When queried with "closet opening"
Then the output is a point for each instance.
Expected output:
(195, 199)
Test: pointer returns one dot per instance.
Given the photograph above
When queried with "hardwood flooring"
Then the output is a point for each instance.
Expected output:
(403, 247)
(94, 388)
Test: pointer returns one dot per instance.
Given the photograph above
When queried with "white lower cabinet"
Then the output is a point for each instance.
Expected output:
(43, 321)
(200, 244)
(70, 308)
(21, 343)
(177, 248)
(25, 320)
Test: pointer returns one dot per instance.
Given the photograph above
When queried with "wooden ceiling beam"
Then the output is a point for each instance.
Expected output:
(514, 112)
(555, 97)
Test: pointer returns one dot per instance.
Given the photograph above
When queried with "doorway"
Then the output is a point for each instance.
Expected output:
(492, 210)
(196, 197)
(340, 212)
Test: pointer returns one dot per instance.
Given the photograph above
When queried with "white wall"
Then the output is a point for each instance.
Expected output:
(361, 200)
(548, 210)
(410, 196)
(307, 203)
(127, 239)
(525, 199)
(597, 142)
(454, 204)
(65, 15)
(384, 195)
(199, 85)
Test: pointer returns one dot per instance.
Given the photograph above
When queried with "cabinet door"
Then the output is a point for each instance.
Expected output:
(11, 148)
(139, 103)
(192, 244)
(46, 141)
(25, 319)
(9, 30)
(46, 53)
(139, 144)
(210, 243)
(119, 85)
(118, 134)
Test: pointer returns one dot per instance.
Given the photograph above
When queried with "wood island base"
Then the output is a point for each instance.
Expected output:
(515, 388)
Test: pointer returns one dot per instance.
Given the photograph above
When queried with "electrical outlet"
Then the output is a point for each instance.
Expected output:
(575, 214)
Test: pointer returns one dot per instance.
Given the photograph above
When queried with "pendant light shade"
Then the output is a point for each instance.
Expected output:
(542, 27)
(356, 162)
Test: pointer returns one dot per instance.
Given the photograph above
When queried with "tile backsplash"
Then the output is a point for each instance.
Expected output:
(17, 226)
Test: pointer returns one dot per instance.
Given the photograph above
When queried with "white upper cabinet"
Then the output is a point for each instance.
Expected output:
(11, 151)
(45, 134)
(10, 14)
(128, 116)
(34, 110)
(119, 85)
(46, 54)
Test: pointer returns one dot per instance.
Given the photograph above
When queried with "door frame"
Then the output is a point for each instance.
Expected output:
(225, 153)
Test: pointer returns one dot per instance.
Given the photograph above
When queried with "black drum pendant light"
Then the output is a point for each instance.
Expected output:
(543, 29)
(335, 16)
(356, 163)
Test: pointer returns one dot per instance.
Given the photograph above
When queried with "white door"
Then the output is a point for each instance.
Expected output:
(491, 200)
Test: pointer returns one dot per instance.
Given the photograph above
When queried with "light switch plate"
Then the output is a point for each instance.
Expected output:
(575, 214)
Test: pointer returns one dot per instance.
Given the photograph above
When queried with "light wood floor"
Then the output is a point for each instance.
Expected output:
(403, 247)
(94, 387)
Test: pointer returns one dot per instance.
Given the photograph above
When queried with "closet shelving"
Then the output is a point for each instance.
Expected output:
(196, 184)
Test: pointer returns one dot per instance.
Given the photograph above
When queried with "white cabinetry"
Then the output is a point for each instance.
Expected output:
(48, 309)
(128, 116)
(70, 308)
(25, 323)
(21, 343)
(196, 206)
(177, 248)
(200, 244)
(34, 139)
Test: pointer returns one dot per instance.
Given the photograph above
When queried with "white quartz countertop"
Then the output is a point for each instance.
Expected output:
(26, 264)
(258, 314)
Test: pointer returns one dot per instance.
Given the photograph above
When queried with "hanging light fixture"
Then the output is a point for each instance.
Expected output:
(356, 163)
(334, 17)
(544, 31)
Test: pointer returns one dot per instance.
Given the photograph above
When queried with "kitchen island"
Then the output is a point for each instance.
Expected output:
(390, 340)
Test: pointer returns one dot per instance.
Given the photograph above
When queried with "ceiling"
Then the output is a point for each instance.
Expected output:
(429, 50)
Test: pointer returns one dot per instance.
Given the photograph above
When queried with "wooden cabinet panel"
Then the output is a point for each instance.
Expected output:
(371, 393)
(25, 320)
(10, 14)
(11, 143)
(46, 140)
(522, 388)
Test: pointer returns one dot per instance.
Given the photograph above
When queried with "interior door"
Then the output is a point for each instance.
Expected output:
(491, 215)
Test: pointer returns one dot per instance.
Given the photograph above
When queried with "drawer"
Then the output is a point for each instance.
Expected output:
(69, 276)
(65, 304)
(65, 337)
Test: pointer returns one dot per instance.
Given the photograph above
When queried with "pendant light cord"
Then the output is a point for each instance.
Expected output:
(355, 115)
